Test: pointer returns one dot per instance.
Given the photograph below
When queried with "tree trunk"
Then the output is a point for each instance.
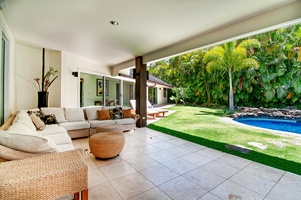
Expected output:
(231, 98)
(208, 95)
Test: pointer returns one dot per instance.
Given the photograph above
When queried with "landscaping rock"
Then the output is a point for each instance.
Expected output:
(278, 113)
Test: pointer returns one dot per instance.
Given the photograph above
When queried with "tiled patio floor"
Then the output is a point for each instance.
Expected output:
(154, 165)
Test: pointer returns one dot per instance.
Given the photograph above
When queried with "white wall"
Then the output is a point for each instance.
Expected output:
(69, 83)
(10, 104)
(28, 67)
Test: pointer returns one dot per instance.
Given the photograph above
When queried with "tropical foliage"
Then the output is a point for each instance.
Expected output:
(276, 82)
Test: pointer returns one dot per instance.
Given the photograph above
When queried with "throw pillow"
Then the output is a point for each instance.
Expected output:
(103, 115)
(74, 114)
(127, 113)
(58, 112)
(23, 118)
(40, 125)
(116, 113)
(50, 119)
(21, 138)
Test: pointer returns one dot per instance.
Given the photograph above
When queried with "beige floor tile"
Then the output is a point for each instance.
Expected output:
(211, 153)
(159, 174)
(153, 139)
(152, 194)
(142, 162)
(131, 185)
(205, 179)
(210, 196)
(253, 182)
(180, 165)
(291, 180)
(230, 190)
(193, 146)
(178, 151)
(220, 169)
(147, 149)
(164, 145)
(162, 156)
(281, 192)
(178, 141)
(129, 154)
(117, 170)
(95, 177)
(91, 164)
(180, 189)
(197, 159)
(103, 191)
(166, 137)
(264, 171)
(102, 163)
(234, 161)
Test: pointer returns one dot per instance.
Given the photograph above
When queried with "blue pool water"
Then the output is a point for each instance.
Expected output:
(275, 124)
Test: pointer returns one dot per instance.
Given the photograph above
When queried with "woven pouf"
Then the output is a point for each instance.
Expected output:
(109, 128)
(106, 144)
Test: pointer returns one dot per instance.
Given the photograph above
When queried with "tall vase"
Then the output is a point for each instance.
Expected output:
(43, 99)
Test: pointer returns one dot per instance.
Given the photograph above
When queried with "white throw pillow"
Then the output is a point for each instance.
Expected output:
(21, 138)
(24, 118)
(58, 112)
(74, 114)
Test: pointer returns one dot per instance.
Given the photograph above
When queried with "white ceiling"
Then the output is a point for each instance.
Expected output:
(82, 27)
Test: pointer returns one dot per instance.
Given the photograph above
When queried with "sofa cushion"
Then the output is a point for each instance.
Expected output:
(52, 129)
(125, 121)
(24, 118)
(75, 125)
(104, 115)
(95, 123)
(108, 107)
(25, 140)
(127, 113)
(59, 138)
(91, 112)
(58, 112)
(74, 114)
(40, 125)
(65, 147)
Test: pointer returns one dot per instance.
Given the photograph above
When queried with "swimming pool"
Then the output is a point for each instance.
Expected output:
(274, 124)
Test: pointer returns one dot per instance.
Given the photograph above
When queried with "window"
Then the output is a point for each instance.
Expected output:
(164, 92)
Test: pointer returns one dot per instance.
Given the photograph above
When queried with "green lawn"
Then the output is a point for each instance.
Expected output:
(206, 126)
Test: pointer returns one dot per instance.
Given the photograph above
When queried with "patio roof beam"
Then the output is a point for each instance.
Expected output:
(262, 22)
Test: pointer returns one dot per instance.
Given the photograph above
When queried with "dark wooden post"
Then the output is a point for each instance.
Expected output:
(141, 91)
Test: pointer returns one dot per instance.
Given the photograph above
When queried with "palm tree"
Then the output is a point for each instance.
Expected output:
(232, 58)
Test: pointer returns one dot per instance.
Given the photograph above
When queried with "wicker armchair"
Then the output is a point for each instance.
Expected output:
(41, 176)
(49, 176)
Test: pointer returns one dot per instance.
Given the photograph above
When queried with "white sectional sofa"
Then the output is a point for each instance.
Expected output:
(21, 134)
(82, 122)
(71, 119)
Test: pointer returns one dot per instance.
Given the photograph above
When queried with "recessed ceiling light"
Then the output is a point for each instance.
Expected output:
(114, 23)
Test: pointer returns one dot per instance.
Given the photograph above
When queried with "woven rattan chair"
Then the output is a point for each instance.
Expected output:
(49, 176)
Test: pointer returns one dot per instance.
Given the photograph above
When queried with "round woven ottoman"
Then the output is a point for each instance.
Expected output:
(106, 144)
(109, 128)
